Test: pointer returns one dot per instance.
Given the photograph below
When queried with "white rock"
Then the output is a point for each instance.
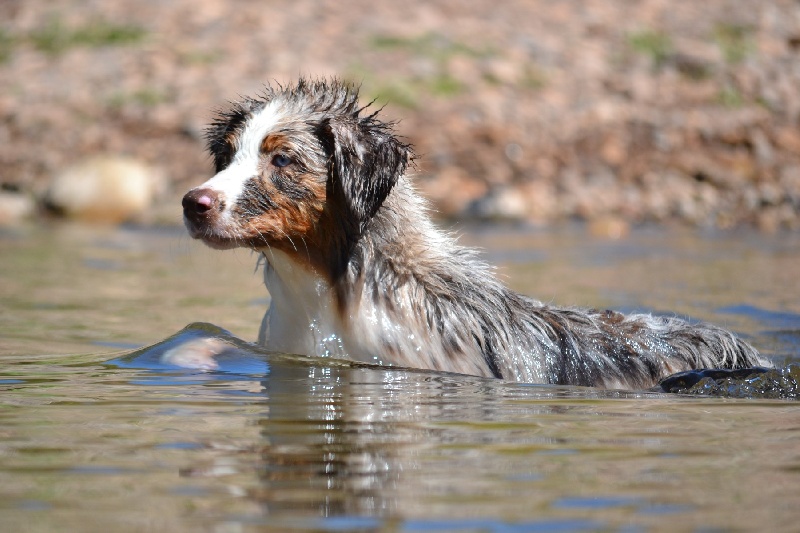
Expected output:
(107, 189)
(14, 207)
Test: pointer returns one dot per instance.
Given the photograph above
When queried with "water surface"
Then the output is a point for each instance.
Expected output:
(96, 435)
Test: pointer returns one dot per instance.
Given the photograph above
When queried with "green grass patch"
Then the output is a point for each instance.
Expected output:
(198, 57)
(434, 47)
(654, 44)
(7, 43)
(444, 85)
(429, 45)
(55, 38)
(735, 41)
(396, 92)
(148, 97)
(533, 79)
(730, 97)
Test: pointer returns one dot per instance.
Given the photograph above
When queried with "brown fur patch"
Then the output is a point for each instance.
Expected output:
(273, 142)
(282, 208)
(276, 219)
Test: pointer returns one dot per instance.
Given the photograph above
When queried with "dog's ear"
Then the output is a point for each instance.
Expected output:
(366, 162)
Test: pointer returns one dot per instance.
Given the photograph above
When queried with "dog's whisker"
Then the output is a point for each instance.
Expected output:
(305, 246)
(294, 247)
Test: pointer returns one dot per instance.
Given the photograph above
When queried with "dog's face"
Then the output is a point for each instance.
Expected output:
(270, 183)
(298, 170)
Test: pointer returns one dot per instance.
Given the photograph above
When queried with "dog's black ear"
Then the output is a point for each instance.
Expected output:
(366, 162)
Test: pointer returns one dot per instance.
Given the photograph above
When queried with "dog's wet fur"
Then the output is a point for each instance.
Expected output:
(318, 186)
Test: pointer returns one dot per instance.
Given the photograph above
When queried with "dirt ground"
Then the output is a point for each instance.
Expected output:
(633, 111)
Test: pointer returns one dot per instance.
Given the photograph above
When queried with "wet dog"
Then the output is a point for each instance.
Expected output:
(355, 268)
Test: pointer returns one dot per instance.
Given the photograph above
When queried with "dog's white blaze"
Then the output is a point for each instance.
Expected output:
(230, 182)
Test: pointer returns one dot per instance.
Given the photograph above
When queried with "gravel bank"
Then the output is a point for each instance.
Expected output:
(633, 111)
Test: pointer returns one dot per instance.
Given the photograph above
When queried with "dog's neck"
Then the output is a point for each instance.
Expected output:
(303, 316)
(315, 314)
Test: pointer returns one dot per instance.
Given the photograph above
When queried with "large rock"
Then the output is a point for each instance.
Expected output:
(15, 207)
(107, 189)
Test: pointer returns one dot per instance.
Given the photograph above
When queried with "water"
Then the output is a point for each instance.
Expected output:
(96, 435)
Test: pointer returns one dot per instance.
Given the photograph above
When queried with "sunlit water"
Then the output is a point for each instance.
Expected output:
(97, 435)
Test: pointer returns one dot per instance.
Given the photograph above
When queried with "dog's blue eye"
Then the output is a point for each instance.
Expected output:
(281, 160)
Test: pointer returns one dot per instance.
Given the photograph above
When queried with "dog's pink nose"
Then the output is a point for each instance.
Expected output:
(198, 202)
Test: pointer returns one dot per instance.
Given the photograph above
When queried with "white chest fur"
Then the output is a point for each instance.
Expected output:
(302, 316)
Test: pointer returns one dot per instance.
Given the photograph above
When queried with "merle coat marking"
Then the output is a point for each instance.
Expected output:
(356, 268)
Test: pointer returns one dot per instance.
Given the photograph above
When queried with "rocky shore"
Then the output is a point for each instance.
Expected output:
(616, 113)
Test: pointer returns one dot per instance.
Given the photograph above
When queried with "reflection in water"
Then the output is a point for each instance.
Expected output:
(331, 448)
(283, 443)
(348, 440)
(340, 440)
(361, 441)
(366, 442)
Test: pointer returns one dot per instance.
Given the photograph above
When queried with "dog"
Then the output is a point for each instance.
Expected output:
(319, 187)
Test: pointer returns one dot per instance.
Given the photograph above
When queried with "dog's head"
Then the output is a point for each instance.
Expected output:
(298, 169)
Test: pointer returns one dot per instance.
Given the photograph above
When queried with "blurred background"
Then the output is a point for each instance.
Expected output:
(665, 122)
(611, 112)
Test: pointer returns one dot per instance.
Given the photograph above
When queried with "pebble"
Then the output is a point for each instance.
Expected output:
(609, 227)
(499, 204)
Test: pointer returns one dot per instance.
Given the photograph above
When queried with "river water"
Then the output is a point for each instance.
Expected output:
(96, 436)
